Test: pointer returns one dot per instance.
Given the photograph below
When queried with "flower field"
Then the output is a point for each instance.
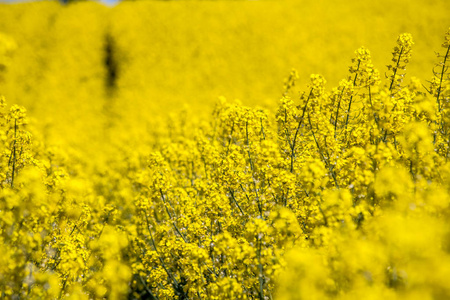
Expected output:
(126, 172)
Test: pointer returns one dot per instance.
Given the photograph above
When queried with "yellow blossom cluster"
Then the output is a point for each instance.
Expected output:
(165, 55)
(115, 182)
(335, 194)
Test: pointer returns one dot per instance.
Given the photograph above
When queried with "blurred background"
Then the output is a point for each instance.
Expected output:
(86, 70)
(108, 2)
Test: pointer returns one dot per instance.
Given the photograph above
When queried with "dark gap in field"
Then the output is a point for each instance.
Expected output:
(111, 65)
(111, 68)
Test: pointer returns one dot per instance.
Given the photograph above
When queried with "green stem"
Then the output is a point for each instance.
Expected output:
(296, 132)
(235, 201)
(441, 79)
(337, 111)
(321, 154)
(231, 138)
(351, 97)
(260, 269)
(396, 68)
(175, 282)
(14, 154)
(170, 217)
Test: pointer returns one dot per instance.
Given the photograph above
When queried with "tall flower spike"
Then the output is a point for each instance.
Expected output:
(365, 72)
(401, 56)
(439, 71)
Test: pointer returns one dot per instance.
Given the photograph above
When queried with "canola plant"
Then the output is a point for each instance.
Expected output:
(328, 194)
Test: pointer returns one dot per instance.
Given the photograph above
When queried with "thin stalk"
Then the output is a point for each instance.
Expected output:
(231, 138)
(170, 217)
(286, 129)
(371, 106)
(152, 297)
(235, 201)
(321, 154)
(63, 288)
(258, 199)
(390, 89)
(248, 147)
(351, 97)
(14, 154)
(337, 111)
(260, 269)
(285, 199)
(273, 195)
(175, 282)
(296, 132)
(396, 68)
(325, 220)
(262, 130)
(442, 77)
